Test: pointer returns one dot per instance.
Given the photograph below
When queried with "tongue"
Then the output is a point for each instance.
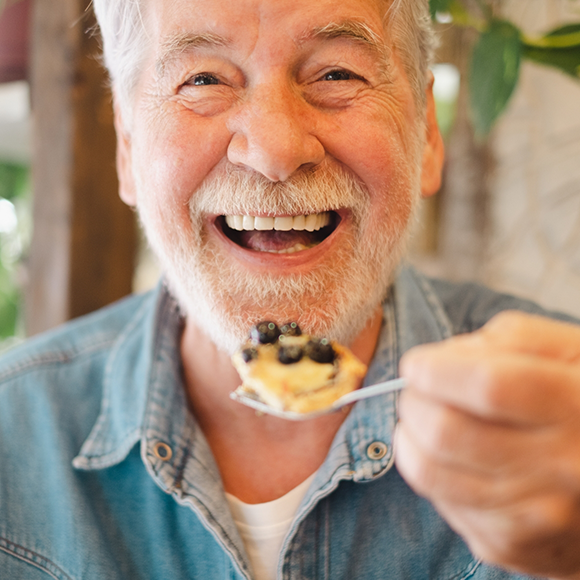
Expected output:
(275, 241)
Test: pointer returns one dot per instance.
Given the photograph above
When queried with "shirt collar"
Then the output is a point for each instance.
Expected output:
(141, 359)
(363, 447)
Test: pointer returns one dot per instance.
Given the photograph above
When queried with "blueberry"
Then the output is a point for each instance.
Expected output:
(249, 354)
(291, 329)
(289, 354)
(320, 350)
(265, 332)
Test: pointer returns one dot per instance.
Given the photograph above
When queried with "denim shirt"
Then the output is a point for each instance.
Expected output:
(105, 475)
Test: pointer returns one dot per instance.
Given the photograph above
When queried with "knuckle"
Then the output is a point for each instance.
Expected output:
(500, 549)
(495, 554)
(509, 319)
(491, 392)
(413, 464)
(554, 514)
(511, 326)
(537, 522)
(423, 476)
(567, 467)
(522, 537)
(442, 433)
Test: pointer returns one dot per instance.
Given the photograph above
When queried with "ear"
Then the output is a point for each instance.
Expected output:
(127, 190)
(433, 153)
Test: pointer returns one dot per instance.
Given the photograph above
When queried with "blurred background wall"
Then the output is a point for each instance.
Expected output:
(508, 214)
(534, 193)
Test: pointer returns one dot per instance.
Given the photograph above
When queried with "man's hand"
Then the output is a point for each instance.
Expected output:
(490, 434)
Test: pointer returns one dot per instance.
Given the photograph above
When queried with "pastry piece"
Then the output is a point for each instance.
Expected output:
(294, 372)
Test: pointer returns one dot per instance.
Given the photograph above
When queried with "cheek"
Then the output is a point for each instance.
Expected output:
(176, 156)
(388, 171)
(375, 143)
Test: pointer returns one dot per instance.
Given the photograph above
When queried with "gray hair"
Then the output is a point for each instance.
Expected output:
(124, 37)
(409, 22)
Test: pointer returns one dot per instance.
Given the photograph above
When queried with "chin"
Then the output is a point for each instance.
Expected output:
(332, 302)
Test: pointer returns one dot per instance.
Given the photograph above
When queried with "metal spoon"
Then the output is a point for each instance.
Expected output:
(364, 393)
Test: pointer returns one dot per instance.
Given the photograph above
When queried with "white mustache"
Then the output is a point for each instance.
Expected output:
(241, 192)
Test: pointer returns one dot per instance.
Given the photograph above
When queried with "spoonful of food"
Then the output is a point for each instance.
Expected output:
(251, 399)
(295, 376)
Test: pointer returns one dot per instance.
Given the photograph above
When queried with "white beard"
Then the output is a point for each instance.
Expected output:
(334, 300)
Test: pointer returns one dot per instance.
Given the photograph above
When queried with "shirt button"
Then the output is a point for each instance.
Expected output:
(377, 450)
(162, 451)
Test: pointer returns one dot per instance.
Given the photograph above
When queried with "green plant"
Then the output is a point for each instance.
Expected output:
(499, 51)
(14, 190)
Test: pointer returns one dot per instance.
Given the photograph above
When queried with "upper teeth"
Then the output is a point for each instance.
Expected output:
(309, 223)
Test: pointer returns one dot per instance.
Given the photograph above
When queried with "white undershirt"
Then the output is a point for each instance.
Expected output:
(263, 527)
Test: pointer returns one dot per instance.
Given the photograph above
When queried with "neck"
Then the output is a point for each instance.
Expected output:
(260, 457)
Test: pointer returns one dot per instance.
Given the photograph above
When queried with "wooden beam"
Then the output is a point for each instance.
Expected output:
(84, 238)
(14, 29)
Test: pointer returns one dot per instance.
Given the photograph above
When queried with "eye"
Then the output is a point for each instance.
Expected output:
(341, 75)
(203, 79)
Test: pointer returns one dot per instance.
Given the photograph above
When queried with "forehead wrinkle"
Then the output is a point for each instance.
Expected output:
(177, 44)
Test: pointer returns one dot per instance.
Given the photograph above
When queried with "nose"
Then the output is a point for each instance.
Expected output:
(273, 134)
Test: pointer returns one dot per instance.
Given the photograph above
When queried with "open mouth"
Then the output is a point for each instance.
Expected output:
(279, 235)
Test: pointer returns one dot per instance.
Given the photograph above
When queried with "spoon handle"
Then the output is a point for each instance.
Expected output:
(372, 391)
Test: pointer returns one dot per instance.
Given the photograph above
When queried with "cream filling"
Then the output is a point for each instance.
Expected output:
(310, 223)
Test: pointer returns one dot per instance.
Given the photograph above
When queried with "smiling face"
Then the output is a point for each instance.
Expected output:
(275, 155)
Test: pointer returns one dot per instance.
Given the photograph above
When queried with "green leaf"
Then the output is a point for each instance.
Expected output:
(13, 180)
(565, 59)
(567, 36)
(565, 30)
(438, 6)
(495, 67)
(559, 48)
(9, 305)
(460, 16)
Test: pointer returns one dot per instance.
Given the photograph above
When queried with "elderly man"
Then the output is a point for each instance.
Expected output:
(276, 151)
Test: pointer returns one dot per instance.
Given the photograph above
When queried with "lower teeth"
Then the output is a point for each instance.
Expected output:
(294, 248)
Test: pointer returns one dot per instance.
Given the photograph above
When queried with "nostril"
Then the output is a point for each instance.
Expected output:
(277, 145)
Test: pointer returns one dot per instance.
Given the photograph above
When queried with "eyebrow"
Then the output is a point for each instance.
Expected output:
(360, 32)
(353, 30)
(177, 44)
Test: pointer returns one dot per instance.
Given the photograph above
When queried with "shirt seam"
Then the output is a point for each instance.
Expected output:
(437, 309)
(52, 358)
(289, 549)
(212, 526)
(85, 459)
(469, 572)
(33, 558)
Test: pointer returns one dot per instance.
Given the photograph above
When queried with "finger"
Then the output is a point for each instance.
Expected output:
(513, 388)
(523, 536)
(455, 438)
(532, 334)
(463, 487)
